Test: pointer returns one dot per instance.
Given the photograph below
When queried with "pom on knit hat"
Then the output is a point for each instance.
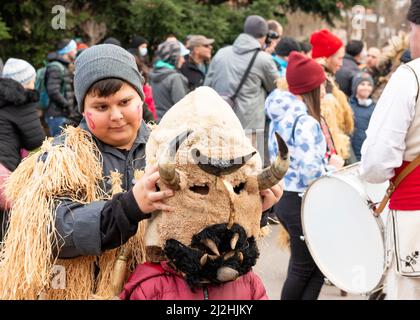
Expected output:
(303, 74)
(105, 61)
(324, 44)
(19, 70)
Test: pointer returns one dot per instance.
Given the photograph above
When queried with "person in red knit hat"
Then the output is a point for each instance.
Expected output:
(328, 51)
(328, 46)
(296, 116)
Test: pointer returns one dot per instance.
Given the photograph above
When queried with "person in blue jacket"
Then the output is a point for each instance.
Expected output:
(363, 105)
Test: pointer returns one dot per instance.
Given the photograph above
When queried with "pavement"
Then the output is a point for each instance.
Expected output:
(272, 269)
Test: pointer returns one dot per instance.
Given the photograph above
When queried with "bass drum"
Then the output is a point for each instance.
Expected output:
(344, 237)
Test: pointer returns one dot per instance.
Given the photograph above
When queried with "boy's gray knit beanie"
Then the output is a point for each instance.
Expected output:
(101, 62)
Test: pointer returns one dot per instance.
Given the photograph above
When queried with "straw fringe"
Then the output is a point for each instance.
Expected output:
(283, 238)
(79, 279)
(69, 170)
(116, 265)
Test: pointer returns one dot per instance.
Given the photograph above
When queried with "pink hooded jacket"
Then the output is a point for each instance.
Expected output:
(160, 282)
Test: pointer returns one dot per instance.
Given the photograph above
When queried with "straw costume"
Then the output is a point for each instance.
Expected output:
(72, 234)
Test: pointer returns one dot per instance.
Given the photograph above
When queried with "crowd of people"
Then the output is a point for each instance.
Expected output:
(319, 95)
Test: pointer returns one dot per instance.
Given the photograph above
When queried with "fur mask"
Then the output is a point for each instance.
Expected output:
(205, 157)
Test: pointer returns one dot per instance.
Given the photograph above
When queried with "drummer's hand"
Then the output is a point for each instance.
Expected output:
(336, 161)
(271, 196)
(147, 197)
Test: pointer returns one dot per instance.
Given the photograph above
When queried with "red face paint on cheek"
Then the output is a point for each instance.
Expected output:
(90, 121)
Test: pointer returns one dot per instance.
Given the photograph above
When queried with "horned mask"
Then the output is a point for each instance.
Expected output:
(205, 157)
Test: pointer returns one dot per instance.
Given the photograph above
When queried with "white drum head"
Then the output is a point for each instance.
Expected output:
(343, 236)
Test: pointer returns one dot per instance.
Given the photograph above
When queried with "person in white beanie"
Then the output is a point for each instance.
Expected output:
(20, 126)
(20, 71)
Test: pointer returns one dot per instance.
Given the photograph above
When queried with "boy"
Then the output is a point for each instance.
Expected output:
(68, 185)
(363, 107)
(109, 146)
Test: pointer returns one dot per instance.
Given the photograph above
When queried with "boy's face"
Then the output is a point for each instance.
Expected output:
(364, 90)
(115, 119)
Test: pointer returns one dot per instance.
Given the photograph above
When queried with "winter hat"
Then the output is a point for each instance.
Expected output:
(286, 46)
(105, 61)
(413, 14)
(169, 51)
(324, 44)
(19, 70)
(358, 79)
(137, 41)
(256, 26)
(184, 51)
(65, 46)
(303, 74)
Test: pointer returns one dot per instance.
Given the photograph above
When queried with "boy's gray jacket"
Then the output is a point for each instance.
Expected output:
(226, 71)
(78, 224)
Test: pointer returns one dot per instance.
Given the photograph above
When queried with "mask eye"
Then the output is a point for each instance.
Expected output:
(203, 190)
(239, 188)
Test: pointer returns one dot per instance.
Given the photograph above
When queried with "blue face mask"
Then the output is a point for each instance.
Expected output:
(143, 51)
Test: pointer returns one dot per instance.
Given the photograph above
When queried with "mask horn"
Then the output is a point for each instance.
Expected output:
(274, 173)
(167, 171)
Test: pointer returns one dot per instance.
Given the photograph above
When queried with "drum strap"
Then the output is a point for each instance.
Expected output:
(393, 185)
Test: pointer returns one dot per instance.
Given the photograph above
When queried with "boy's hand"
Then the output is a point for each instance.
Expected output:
(271, 196)
(147, 197)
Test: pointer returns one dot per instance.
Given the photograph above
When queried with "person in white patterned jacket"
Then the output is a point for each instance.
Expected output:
(296, 116)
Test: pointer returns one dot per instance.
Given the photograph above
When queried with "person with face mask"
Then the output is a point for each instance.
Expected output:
(59, 83)
(138, 47)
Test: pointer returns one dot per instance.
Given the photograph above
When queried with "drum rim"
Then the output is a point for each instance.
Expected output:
(377, 220)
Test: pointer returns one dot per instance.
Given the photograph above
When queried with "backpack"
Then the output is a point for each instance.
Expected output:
(41, 85)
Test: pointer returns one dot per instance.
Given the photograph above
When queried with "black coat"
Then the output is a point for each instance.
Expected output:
(20, 126)
(344, 76)
(194, 75)
(61, 105)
